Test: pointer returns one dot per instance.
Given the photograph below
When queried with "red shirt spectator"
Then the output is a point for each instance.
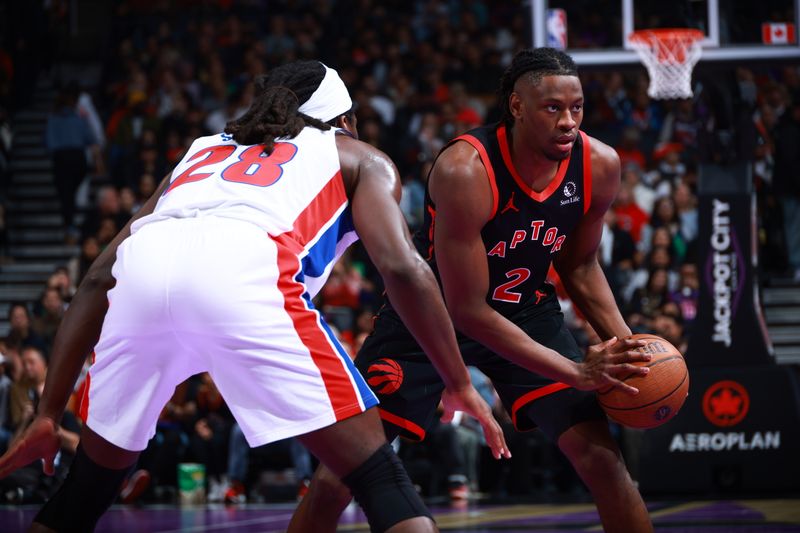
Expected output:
(630, 216)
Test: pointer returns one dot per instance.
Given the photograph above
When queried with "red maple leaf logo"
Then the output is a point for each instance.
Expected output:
(726, 403)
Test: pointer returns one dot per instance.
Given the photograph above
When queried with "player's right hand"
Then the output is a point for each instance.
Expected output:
(470, 401)
(605, 363)
(40, 440)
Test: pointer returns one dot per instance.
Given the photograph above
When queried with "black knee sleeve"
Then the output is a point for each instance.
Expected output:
(87, 492)
(382, 487)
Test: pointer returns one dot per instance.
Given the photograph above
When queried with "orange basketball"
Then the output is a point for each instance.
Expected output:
(661, 392)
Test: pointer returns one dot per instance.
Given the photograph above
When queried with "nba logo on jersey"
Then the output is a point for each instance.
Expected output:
(557, 29)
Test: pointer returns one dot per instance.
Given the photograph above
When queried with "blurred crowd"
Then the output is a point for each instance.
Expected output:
(421, 73)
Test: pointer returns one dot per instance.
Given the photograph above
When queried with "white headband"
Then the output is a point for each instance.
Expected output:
(330, 100)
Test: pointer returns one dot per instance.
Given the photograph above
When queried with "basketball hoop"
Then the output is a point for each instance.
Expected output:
(669, 55)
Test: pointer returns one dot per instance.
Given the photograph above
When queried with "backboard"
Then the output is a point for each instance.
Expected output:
(597, 31)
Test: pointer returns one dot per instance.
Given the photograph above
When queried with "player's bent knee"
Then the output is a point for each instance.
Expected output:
(382, 487)
(328, 493)
(597, 464)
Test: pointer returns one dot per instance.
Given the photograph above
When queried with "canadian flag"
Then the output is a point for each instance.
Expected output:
(777, 33)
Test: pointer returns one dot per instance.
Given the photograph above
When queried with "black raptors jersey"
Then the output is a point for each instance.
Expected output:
(527, 228)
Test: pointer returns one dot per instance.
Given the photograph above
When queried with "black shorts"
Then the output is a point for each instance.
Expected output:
(409, 388)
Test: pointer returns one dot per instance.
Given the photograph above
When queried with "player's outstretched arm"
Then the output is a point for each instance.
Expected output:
(374, 189)
(75, 339)
(460, 189)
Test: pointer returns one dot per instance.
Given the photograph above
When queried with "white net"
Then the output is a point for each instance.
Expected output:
(670, 56)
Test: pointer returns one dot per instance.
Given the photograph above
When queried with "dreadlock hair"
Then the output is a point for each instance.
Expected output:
(535, 63)
(274, 111)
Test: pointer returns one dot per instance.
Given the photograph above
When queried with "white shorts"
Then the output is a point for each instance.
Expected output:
(217, 295)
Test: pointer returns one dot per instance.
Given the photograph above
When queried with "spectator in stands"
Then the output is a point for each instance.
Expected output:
(647, 300)
(630, 217)
(685, 203)
(666, 216)
(52, 311)
(21, 333)
(12, 361)
(209, 435)
(659, 257)
(149, 159)
(239, 474)
(107, 230)
(412, 202)
(617, 255)
(646, 117)
(126, 126)
(643, 194)
(681, 125)
(629, 151)
(88, 111)
(67, 137)
(30, 484)
(340, 298)
(62, 281)
(670, 166)
(127, 202)
(78, 266)
(145, 188)
(616, 100)
(687, 293)
(25, 393)
(107, 206)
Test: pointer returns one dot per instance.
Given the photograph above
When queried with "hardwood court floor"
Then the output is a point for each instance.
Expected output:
(721, 516)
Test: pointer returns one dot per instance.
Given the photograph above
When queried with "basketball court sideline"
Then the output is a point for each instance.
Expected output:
(669, 516)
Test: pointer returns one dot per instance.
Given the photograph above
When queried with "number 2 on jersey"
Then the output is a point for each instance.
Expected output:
(517, 277)
(252, 166)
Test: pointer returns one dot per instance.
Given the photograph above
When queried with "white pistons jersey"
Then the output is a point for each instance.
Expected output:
(219, 279)
(280, 192)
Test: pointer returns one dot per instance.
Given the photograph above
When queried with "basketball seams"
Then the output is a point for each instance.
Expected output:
(637, 407)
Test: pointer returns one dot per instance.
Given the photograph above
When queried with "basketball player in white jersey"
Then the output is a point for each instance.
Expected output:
(216, 274)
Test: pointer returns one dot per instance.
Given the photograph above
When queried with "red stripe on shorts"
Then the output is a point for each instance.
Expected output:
(340, 388)
(534, 395)
(83, 391)
(401, 422)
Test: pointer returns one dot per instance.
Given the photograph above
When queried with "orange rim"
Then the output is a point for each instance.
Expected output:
(664, 34)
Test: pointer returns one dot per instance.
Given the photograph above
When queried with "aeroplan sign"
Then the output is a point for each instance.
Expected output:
(725, 404)
(739, 430)
(718, 442)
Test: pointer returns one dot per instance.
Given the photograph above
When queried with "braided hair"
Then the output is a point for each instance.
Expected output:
(535, 63)
(274, 111)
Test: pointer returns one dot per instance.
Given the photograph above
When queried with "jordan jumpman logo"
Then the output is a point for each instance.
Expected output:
(510, 204)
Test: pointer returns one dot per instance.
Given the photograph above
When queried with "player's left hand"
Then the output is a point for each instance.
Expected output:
(609, 359)
(40, 440)
(470, 401)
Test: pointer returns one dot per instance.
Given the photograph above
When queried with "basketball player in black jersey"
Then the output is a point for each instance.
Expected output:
(503, 203)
